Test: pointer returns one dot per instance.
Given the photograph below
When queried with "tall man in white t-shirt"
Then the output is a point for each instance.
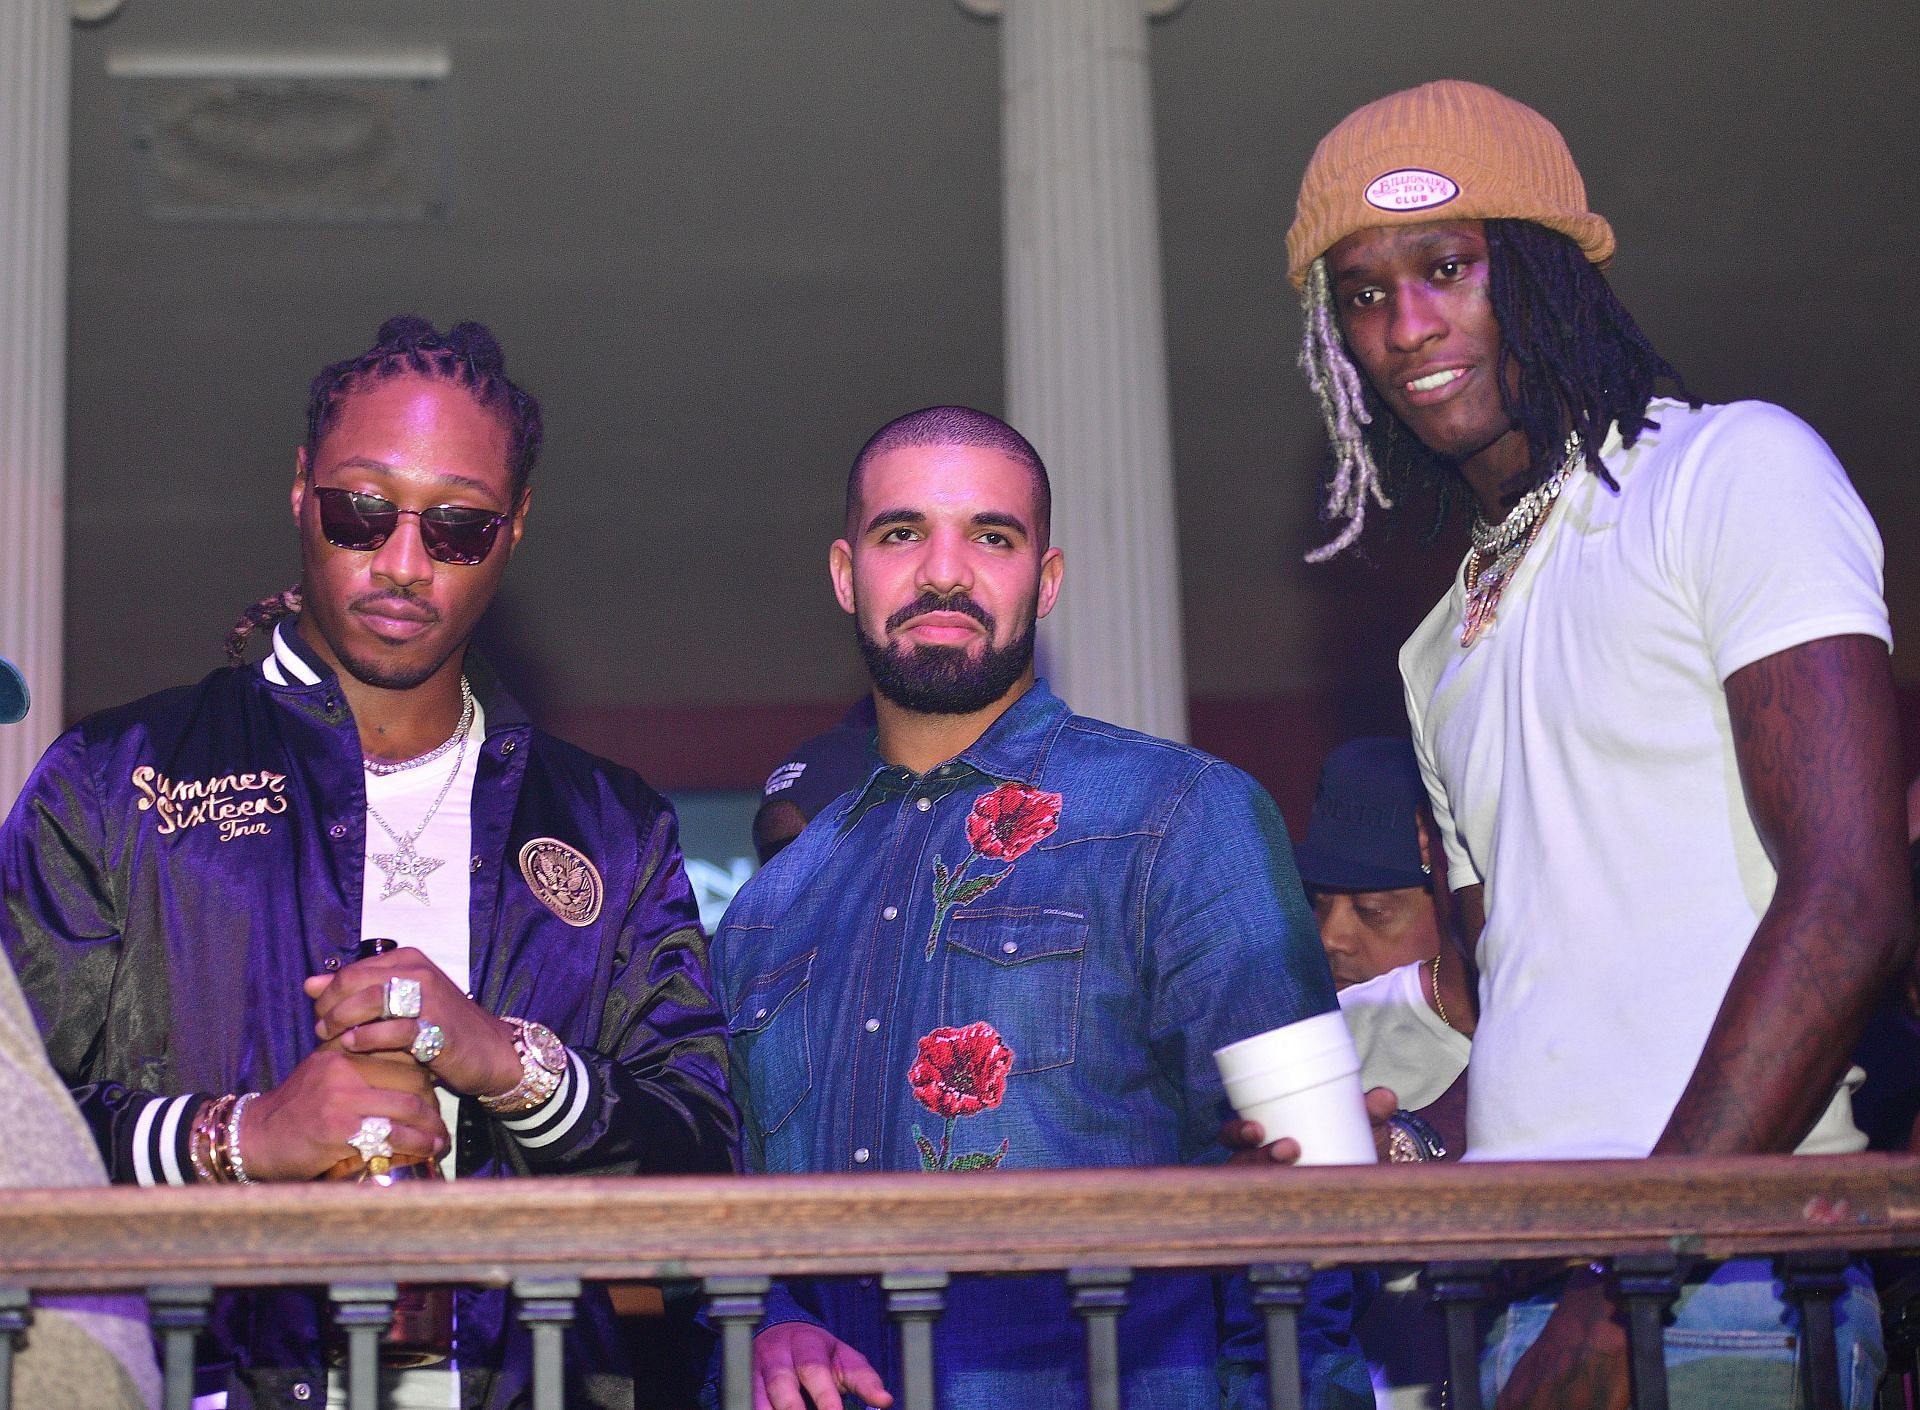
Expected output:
(1654, 712)
(188, 879)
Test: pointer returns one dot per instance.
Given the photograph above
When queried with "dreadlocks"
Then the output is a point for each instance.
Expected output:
(257, 617)
(466, 355)
(1583, 365)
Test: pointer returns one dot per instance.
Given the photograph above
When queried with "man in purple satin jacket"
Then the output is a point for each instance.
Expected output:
(188, 880)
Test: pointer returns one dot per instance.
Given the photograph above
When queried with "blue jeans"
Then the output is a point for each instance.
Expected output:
(1732, 1341)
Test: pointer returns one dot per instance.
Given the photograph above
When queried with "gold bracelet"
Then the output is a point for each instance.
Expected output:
(210, 1127)
(200, 1143)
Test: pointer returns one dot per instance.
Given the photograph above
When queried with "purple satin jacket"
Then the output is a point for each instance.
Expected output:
(176, 867)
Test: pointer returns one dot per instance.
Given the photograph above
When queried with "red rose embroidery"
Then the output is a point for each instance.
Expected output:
(1005, 823)
(1003, 827)
(959, 1072)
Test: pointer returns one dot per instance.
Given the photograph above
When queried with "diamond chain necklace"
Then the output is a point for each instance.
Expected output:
(1498, 549)
(407, 869)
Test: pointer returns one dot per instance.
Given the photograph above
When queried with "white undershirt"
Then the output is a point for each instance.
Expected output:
(440, 928)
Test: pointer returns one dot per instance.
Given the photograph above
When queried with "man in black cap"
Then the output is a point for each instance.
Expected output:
(814, 773)
(1369, 863)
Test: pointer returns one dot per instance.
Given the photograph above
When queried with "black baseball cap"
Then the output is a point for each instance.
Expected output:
(1363, 835)
(13, 693)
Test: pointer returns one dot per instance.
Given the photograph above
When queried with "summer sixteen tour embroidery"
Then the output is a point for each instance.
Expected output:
(1003, 827)
(960, 1072)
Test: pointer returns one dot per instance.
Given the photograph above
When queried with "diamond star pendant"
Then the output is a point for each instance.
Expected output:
(406, 870)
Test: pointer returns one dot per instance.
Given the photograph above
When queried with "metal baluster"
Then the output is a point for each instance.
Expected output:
(1460, 1288)
(737, 1304)
(1099, 1297)
(1815, 1281)
(363, 1311)
(547, 1308)
(915, 1302)
(1279, 1291)
(179, 1315)
(1648, 1284)
(16, 1313)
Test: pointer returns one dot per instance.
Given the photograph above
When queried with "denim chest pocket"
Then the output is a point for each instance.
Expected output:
(1020, 969)
(771, 1044)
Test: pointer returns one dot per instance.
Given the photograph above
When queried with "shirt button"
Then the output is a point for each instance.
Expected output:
(862, 1156)
(337, 831)
(758, 1014)
(1008, 947)
(890, 913)
(506, 746)
(872, 1025)
(476, 864)
(330, 963)
(302, 1391)
(923, 804)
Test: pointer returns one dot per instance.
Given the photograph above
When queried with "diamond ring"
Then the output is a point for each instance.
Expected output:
(371, 1139)
(402, 999)
(428, 1043)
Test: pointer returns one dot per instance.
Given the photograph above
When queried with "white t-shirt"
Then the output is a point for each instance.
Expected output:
(1581, 765)
(1401, 1040)
(440, 927)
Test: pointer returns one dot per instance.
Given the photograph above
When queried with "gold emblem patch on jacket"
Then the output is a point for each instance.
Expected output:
(564, 880)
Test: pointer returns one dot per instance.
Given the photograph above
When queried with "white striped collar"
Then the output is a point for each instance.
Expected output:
(284, 665)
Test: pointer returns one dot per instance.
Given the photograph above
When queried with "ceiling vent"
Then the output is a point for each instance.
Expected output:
(306, 136)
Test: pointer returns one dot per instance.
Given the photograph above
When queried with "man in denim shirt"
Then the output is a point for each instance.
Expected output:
(1014, 946)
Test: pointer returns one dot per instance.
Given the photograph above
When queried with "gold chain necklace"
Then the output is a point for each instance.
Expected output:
(1498, 549)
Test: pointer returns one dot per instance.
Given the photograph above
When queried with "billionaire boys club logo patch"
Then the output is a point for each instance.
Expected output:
(1411, 188)
(238, 805)
(564, 880)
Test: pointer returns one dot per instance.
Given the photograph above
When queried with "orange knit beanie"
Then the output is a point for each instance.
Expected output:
(1443, 151)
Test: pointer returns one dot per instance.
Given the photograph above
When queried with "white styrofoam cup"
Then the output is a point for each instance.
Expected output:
(1303, 1080)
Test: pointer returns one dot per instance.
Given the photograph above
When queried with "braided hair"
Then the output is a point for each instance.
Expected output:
(1583, 365)
(468, 356)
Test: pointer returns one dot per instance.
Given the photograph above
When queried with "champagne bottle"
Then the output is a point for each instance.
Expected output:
(421, 1333)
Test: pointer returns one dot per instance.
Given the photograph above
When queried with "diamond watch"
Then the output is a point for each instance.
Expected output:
(543, 1061)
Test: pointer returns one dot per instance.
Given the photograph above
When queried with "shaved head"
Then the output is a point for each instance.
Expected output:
(953, 426)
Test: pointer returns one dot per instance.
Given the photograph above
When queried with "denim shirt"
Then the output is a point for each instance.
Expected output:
(1024, 959)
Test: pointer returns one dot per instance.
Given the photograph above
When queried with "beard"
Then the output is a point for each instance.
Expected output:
(945, 680)
(379, 672)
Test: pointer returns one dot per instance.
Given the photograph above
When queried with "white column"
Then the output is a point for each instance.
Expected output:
(1086, 345)
(35, 40)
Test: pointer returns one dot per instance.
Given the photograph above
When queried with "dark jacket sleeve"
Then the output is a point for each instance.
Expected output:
(648, 1095)
(62, 931)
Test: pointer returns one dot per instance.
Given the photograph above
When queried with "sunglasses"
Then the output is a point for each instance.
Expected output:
(451, 533)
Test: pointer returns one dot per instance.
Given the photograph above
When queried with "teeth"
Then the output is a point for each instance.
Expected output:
(1435, 380)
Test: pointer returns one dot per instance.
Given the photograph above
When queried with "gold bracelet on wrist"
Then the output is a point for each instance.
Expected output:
(209, 1138)
(200, 1143)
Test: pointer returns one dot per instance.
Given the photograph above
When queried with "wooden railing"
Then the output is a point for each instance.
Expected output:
(1646, 1218)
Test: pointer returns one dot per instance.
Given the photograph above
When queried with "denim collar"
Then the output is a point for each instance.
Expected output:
(1013, 749)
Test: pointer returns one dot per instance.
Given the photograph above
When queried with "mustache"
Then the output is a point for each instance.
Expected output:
(934, 602)
(394, 597)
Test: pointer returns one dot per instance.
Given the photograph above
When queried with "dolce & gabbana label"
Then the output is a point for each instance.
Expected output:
(238, 804)
(1411, 188)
